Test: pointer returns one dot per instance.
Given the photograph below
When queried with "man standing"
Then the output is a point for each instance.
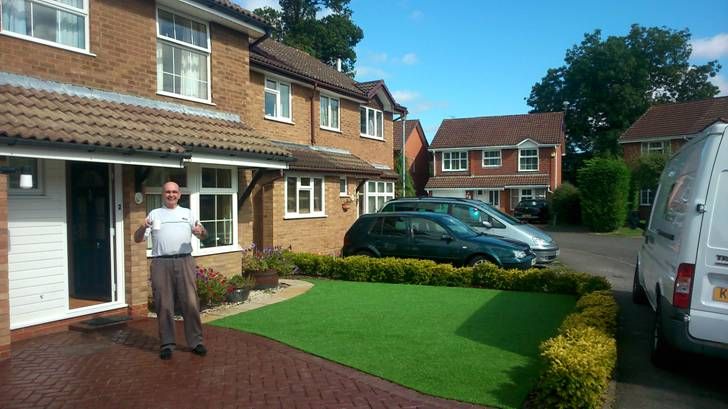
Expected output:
(173, 269)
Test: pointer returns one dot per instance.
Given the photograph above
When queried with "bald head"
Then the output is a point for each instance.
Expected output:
(170, 194)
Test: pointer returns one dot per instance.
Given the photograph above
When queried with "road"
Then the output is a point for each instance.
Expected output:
(695, 382)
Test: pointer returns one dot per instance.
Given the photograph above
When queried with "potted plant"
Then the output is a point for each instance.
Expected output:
(265, 266)
(212, 287)
(239, 287)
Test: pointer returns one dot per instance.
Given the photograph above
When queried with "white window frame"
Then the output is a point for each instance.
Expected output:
(328, 126)
(297, 214)
(194, 189)
(521, 156)
(647, 149)
(84, 12)
(450, 160)
(276, 91)
(345, 192)
(491, 195)
(647, 193)
(378, 131)
(181, 44)
(499, 159)
(387, 194)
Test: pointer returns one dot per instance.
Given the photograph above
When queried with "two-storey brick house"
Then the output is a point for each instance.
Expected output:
(415, 151)
(663, 129)
(499, 159)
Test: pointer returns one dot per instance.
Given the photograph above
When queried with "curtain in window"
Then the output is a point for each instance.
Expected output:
(15, 16)
(334, 113)
(71, 30)
(194, 74)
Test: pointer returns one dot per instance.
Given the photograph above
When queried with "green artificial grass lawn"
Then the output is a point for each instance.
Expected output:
(468, 344)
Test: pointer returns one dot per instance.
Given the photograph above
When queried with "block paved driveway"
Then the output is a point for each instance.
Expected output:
(120, 368)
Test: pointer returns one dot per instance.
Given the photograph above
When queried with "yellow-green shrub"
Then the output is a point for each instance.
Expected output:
(579, 363)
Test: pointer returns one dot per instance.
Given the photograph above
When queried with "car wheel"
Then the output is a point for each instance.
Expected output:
(660, 350)
(638, 292)
(475, 260)
(363, 253)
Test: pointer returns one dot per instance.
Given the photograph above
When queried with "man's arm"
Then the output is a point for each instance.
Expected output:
(139, 233)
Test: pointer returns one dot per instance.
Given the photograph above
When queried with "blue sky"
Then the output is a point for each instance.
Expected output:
(461, 59)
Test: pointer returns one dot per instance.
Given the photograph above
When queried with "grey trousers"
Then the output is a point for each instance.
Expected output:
(170, 276)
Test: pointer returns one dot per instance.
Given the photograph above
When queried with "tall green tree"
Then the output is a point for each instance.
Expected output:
(328, 39)
(606, 84)
(409, 184)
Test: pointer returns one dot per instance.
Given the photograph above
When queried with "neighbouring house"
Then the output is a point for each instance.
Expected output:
(415, 152)
(663, 129)
(340, 133)
(102, 101)
(498, 159)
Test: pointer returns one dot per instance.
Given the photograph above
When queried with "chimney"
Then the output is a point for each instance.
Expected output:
(338, 64)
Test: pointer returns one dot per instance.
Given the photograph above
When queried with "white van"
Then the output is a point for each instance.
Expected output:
(682, 267)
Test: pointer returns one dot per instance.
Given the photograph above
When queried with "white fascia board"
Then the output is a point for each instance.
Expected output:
(659, 138)
(491, 148)
(85, 156)
(211, 15)
(210, 159)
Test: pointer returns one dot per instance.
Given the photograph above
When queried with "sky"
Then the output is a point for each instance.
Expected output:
(463, 58)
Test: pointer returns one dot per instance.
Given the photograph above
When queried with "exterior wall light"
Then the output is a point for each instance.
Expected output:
(26, 175)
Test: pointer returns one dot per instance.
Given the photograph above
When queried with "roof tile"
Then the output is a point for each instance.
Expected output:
(485, 182)
(545, 128)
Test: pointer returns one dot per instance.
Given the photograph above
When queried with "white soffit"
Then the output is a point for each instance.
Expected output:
(209, 159)
(85, 156)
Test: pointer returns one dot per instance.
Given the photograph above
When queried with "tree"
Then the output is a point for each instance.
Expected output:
(604, 187)
(606, 85)
(328, 39)
(409, 186)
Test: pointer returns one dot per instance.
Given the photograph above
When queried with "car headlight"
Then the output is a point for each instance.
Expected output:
(539, 242)
(519, 254)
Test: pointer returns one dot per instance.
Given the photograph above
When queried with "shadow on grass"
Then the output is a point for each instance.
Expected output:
(518, 323)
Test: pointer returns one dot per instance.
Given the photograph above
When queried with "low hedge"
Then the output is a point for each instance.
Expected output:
(578, 361)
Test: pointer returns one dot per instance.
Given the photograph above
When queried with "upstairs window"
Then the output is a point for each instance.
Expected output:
(371, 123)
(329, 113)
(61, 23)
(277, 100)
(659, 148)
(183, 57)
(528, 159)
(457, 160)
(492, 159)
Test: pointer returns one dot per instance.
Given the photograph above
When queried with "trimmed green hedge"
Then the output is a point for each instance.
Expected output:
(604, 187)
(578, 361)
(565, 204)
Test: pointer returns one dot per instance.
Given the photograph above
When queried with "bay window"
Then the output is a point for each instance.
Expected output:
(329, 108)
(454, 161)
(62, 23)
(183, 57)
(304, 196)
(371, 123)
(277, 100)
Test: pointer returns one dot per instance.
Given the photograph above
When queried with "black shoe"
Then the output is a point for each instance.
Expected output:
(165, 354)
(200, 350)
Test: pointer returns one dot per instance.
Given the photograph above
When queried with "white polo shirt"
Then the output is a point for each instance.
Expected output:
(175, 233)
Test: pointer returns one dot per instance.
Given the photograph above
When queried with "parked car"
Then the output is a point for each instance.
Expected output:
(483, 218)
(536, 210)
(682, 266)
(433, 236)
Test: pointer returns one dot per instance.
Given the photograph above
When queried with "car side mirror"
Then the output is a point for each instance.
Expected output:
(487, 224)
(446, 237)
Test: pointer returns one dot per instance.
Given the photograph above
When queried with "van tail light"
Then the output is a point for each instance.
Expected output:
(683, 285)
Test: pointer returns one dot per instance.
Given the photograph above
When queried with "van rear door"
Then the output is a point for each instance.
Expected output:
(709, 304)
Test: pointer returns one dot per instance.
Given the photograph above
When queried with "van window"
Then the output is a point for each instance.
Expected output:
(718, 234)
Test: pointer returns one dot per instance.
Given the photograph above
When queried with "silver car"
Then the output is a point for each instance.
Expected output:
(482, 217)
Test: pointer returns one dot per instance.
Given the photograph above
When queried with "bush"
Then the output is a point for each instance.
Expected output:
(579, 363)
(212, 286)
(604, 186)
(566, 205)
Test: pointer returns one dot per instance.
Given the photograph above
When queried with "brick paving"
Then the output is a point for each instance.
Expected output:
(120, 368)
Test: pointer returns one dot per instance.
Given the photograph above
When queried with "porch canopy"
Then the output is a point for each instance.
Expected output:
(43, 119)
(332, 160)
(486, 182)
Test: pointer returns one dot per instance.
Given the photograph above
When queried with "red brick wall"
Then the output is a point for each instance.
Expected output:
(123, 39)
(418, 159)
(509, 163)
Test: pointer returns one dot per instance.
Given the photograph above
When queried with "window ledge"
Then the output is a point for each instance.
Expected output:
(528, 170)
(46, 42)
(293, 216)
(455, 170)
(371, 137)
(337, 130)
(171, 95)
(282, 120)
(492, 166)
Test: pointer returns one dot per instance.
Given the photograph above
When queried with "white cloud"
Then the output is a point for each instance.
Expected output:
(404, 96)
(722, 84)
(378, 57)
(416, 15)
(256, 4)
(711, 47)
(409, 58)
(366, 73)
(323, 13)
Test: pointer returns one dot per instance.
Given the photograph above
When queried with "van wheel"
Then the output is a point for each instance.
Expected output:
(660, 351)
(638, 292)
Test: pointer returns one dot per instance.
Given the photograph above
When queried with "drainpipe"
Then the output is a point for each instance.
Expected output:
(404, 159)
(313, 117)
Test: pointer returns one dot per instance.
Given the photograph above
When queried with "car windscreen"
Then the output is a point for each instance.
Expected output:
(504, 216)
(457, 227)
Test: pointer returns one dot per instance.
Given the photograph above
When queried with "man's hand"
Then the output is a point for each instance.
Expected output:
(139, 233)
(199, 231)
